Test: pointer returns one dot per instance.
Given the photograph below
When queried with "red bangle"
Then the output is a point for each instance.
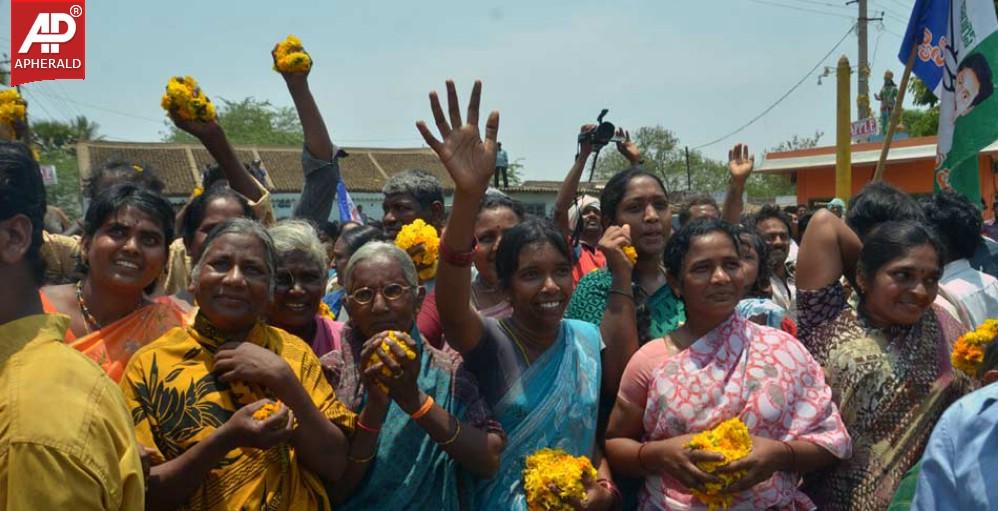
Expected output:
(459, 259)
(369, 429)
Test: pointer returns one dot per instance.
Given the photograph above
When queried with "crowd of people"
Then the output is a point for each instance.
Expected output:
(214, 358)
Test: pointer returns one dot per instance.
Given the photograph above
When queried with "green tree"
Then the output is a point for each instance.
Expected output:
(252, 122)
(66, 193)
(51, 134)
(920, 122)
(772, 185)
(513, 172)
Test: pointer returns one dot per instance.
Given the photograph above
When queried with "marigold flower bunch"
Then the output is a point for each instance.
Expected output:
(730, 439)
(185, 97)
(290, 56)
(265, 411)
(631, 253)
(386, 351)
(13, 108)
(968, 351)
(421, 233)
(554, 468)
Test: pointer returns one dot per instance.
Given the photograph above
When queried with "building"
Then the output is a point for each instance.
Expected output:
(363, 170)
(910, 164)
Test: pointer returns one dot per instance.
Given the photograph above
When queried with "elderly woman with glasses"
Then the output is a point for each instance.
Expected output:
(439, 438)
(238, 412)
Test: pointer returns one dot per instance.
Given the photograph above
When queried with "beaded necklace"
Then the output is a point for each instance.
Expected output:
(89, 321)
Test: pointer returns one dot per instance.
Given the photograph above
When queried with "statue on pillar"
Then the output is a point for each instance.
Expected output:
(887, 96)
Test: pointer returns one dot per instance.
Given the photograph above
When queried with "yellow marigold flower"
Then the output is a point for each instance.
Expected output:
(730, 439)
(631, 253)
(421, 233)
(184, 96)
(326, 312)
(549, 468)
(265, 411)
(12, 107)
(290, 56)
(968, 351)
(386, 351)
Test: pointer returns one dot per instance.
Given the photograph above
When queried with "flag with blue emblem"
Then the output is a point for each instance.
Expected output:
(348, 211)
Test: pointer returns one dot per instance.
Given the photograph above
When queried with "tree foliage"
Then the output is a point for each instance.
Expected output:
(51, 134)
(664, 157)
(250, 121)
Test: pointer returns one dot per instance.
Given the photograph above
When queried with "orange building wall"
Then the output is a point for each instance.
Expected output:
(912, 177)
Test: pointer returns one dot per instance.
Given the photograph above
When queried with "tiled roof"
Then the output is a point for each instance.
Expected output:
(180, 165)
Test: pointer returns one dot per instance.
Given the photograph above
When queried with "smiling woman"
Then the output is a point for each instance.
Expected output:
(229, 364)
(123, 252)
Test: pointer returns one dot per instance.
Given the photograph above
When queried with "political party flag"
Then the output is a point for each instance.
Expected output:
(956, 49)
(348, 211)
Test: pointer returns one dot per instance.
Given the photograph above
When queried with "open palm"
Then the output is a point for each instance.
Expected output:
(469, 160)
(740, 163)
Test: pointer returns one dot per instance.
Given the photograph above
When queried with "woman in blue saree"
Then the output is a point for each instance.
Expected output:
(541, 373)
(428, 440)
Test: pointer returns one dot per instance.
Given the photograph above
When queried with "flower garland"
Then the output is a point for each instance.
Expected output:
(730, 439)
(631, 253)
(185, 97)
(386, 351)
(420, 233)
(552, 476)
(13, 108)
(290, 56)
(968, 351)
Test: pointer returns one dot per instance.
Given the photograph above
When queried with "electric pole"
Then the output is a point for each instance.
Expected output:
(863, 74)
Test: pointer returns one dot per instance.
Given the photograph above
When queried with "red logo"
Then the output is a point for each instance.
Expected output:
(47, 40)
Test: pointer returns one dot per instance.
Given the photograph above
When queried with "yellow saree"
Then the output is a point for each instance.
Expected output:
(176, 402)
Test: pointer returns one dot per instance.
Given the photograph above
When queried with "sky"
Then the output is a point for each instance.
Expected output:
(699, 68)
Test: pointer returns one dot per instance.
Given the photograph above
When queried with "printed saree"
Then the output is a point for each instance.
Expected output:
(410, 470)
(590, 297)
(554, 404)
(759, 374)
(176, 402)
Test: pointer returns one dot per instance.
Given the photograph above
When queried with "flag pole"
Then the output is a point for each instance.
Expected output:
(878, 175)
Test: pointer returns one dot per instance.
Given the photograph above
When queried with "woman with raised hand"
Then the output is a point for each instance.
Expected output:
(429, 449)
(126, 232)
(888, 360)
(498, 213)
(715, 367)
(238, 413)
(540, 373)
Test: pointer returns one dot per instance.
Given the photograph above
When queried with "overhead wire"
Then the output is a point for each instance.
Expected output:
(802, 9)
(785, 94)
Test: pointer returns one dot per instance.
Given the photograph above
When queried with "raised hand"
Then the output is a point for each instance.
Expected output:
(296, 77)
(740, 163)
(198, 129)
(469, 160)
(627, 147)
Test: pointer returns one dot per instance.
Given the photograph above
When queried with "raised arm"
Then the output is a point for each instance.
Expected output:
(828, 250)
(470, 161)
(618, 328)
(740, 165)
(566, 193)
(212, 136)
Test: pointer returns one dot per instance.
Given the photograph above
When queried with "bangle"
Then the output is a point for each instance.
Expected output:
(640, 462)
(621, 293)
(612, 488)
(367, 428)
(459, 259)
(793, 456)
(359, 461)
(453, 438)
(423, 409)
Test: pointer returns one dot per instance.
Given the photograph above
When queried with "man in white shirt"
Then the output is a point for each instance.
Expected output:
(973, 295)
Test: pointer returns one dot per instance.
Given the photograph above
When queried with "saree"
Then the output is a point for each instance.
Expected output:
(762, 376)
(112, 346)
(176, 402)
(591, 295)
(410, 470)
(553, 404)
(891, 385)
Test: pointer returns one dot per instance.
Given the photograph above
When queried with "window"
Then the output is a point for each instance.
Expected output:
(535, 208)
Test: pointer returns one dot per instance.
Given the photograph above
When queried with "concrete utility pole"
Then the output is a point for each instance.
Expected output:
(863, 78)
(843, 154)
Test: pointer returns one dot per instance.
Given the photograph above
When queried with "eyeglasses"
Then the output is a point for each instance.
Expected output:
(391, 292)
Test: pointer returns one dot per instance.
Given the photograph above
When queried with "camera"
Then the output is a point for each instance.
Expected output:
(603, 134)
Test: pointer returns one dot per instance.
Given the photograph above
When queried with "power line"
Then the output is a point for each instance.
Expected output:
(101, 108)
(785, 95)
(802, 9)
(826, 4)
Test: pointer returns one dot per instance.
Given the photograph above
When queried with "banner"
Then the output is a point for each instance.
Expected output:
(956, 51)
